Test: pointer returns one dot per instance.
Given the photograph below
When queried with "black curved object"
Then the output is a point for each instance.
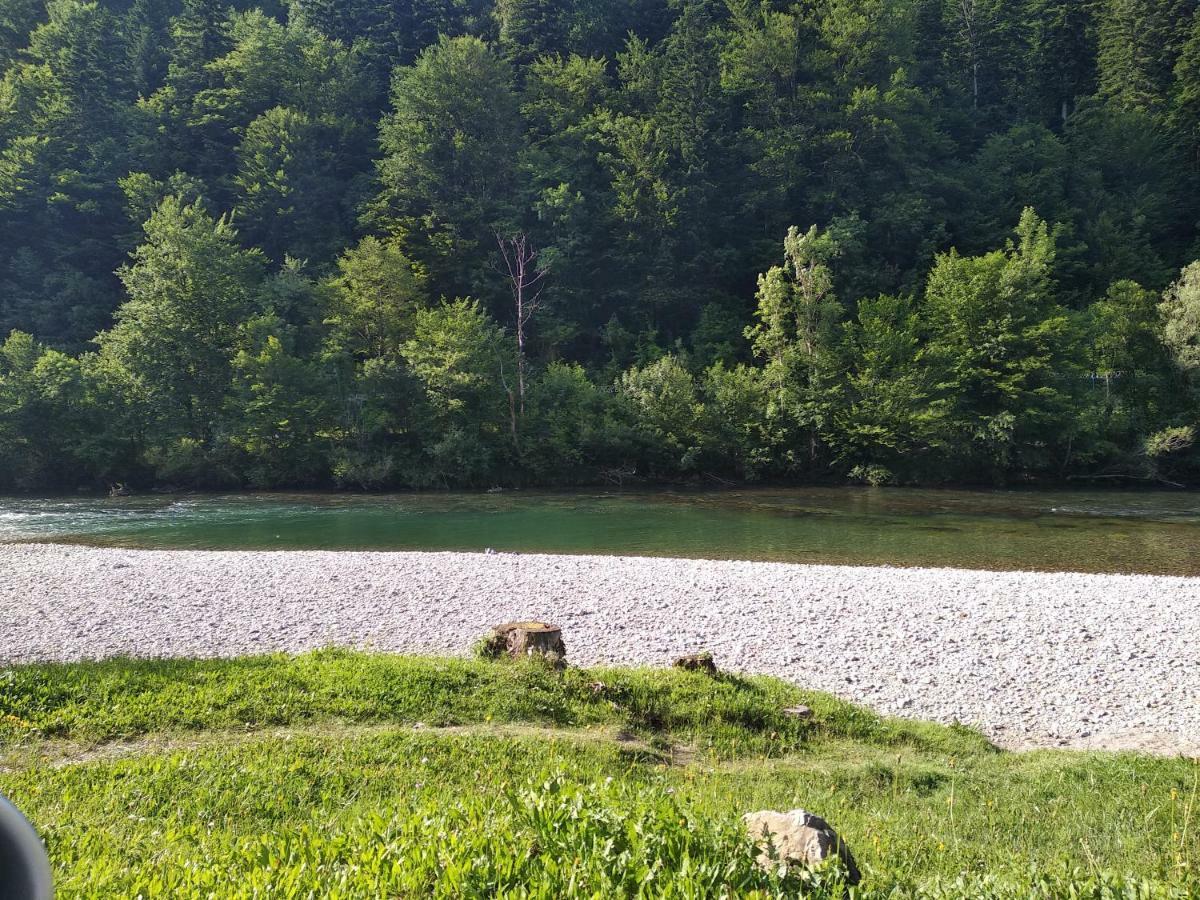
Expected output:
(24, 866)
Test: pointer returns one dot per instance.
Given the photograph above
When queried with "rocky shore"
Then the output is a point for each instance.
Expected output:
(1086, 661)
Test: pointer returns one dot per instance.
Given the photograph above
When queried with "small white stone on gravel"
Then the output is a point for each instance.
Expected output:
(1033, 659)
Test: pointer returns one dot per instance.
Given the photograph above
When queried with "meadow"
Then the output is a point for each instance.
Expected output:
(344, 774)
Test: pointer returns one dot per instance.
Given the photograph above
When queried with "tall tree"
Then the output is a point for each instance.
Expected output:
(565, 106)
(890, 426)
(796, 334)
(1006, 351)
(64, 143)
(1140, 41)
(277, 412)
(1062, 56)
(190, 286)
(449, 173)
(530, 29)
(291, 196)
(18, 18)
(456, 356)
(526, 274)
(374, 297)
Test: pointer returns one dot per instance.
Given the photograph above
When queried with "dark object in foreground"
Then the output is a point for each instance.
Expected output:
(517, 639)
(798, 838)
(24, 866)
(697, 662)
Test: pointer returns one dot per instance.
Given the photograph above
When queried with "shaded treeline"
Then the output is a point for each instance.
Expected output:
(467, 242)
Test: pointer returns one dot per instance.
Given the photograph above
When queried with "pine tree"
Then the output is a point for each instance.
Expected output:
(1140, 42)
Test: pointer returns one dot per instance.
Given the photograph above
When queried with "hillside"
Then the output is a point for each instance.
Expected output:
(370, 244)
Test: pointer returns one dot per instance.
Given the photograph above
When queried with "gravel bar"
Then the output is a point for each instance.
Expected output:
(1033, 659)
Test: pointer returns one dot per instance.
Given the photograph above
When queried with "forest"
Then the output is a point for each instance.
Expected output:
(381, 244)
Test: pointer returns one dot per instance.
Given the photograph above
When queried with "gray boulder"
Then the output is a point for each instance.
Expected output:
(798, 838)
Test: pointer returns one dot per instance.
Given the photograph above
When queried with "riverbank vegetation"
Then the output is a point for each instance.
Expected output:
(362, 775)
(533, 241)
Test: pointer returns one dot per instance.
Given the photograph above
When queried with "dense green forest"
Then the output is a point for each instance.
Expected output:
(410, 243)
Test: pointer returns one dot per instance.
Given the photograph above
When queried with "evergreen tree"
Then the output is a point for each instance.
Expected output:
(456, 356)
(531, 29)
(17, 19)
(1062, 51)
(65, 144)
(277, 408)
(1140, 41)
(374, 298)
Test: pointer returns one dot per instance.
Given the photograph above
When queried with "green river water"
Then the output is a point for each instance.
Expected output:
(1151, 532)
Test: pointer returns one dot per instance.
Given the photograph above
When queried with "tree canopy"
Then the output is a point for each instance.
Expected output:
(259, 243)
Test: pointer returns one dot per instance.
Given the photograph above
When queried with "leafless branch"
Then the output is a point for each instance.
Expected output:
(526, 278)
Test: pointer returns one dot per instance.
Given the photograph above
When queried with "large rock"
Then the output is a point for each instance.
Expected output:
(798, 838)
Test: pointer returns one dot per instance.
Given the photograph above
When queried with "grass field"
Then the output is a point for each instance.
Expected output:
(339, 774)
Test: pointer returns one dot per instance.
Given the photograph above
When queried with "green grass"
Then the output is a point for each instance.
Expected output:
(310, 776)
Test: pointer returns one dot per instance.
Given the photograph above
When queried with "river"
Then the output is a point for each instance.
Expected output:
(1148, 532)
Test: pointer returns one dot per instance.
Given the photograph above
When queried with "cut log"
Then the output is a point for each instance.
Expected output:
(517, 639)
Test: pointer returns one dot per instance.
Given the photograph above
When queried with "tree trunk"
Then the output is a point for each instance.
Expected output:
(525, 278)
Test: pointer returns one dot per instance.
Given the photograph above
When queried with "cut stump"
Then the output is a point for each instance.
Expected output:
(517, 639)
(697, 662)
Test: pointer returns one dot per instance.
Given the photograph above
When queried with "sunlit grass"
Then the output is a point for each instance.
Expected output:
(340, 774)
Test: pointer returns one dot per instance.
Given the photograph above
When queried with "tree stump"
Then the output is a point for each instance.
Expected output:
(697, 662)
(517, 639)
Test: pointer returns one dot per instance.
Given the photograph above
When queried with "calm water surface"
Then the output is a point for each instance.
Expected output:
(1068, 531)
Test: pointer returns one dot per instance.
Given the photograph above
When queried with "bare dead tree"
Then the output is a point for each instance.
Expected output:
(526, 279)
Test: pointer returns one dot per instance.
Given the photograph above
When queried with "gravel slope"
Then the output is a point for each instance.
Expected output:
(1105, 661)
